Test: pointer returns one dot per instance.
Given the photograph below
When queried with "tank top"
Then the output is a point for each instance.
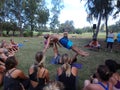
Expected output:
(69, 82)
(11, 83)
(41, 81)
(105, 87)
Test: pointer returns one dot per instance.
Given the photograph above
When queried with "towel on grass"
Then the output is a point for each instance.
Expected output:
(20, 45)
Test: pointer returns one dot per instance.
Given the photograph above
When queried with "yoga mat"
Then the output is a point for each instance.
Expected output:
(77, 65)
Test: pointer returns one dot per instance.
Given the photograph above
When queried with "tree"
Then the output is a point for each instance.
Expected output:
(98, 9)
(30, 12)
(68, 25)
(42, 15)
(2, 2)
(117, 9)
(17, 9)
(57, 6)
(108, 9)
(36, 13)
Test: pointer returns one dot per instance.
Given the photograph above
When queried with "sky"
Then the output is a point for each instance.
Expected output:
(74, 10)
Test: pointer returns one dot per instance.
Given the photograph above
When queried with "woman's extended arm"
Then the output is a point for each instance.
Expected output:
(47, 45)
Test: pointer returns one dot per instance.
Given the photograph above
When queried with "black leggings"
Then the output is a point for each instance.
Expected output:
(110, 44)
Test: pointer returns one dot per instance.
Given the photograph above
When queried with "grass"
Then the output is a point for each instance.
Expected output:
(26, 56)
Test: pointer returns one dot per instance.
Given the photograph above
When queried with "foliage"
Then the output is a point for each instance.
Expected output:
(117, 10)
(39, 33)
(4, 34)
(78, 31)
(99, 9)
(115, 27)
(57, 6)
(31, 13)
(87, 29)
(35, 14)
(68, 26)
(27, 33)
(43, 16)
(9, 26)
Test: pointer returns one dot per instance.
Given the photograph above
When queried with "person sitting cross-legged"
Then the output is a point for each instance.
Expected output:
(94, 44)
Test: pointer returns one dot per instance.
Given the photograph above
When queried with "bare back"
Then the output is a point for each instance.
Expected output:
(56, 36)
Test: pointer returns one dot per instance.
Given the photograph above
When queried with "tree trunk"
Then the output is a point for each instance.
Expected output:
(106, 24)
(20, 24)
(98, 26)
(7, 33)
(21, 32)
(1, 34)
(32, 28)
(13, 32)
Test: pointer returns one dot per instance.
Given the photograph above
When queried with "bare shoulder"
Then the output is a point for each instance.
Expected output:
(74, 71)
(92, 87)
(18, 71)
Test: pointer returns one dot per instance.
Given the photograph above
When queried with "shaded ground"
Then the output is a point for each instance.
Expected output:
(116, 46)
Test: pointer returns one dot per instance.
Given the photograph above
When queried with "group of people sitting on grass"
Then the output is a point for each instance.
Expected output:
(7, 49)
(38, 77)
(106, 76)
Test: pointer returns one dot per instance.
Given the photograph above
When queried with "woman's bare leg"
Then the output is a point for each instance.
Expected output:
(79, 51)
(55, 49)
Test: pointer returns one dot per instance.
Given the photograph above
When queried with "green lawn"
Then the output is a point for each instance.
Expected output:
(26, 56)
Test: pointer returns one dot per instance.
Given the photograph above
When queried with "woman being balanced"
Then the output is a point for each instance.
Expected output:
(65, 42)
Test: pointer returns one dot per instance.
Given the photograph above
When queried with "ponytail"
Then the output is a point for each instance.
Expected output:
(41, 63)
(67, 68)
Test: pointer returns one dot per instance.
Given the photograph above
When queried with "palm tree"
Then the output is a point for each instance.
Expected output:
(108, 9)
(118, 8)
(98, 9)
